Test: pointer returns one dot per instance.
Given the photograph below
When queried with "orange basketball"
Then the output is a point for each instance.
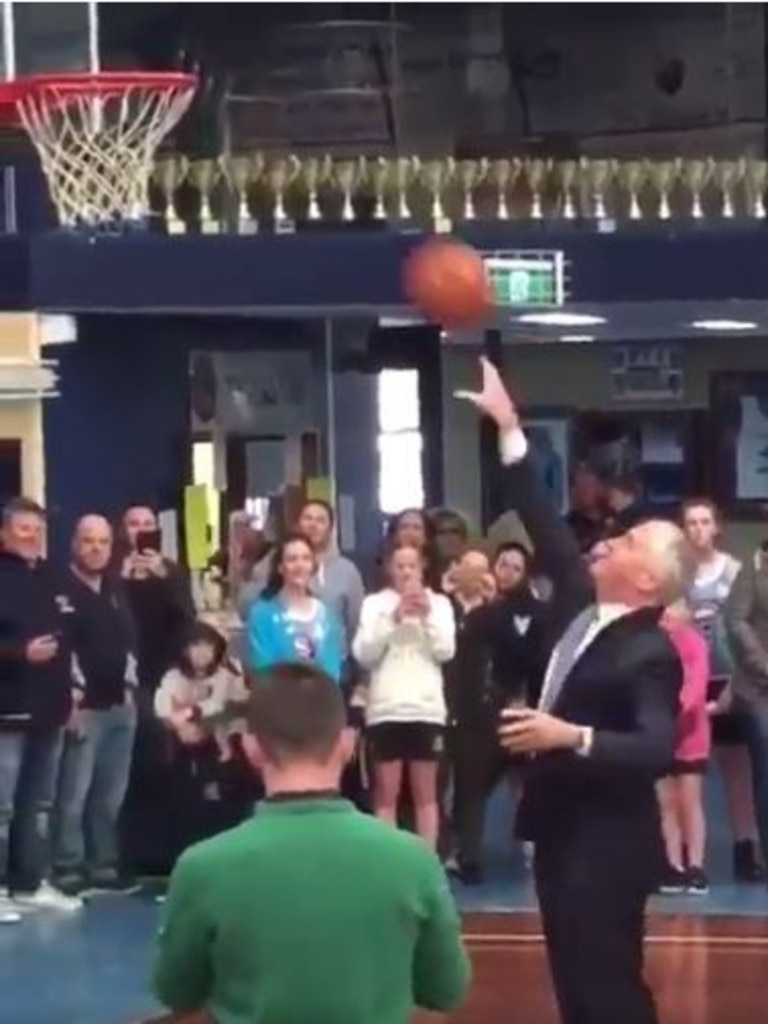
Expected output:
(446, 280)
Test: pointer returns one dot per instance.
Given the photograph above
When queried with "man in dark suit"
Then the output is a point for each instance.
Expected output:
(603, 732)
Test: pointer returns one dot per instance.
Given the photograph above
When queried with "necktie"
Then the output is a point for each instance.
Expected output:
(564, 656)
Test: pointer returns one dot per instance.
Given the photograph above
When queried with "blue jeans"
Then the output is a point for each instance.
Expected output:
(29, 768)
(94, 778)
(756, 724)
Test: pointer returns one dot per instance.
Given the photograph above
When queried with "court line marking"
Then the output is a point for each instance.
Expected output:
(532, 938)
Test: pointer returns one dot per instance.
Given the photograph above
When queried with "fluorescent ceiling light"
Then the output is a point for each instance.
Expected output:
(724, 325)
(400, 321)
(577, 337)
(559, 319)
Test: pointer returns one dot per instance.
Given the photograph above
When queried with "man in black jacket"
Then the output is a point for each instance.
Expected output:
(35, 703)
(159, 595)
(98, 748)
(603, 732)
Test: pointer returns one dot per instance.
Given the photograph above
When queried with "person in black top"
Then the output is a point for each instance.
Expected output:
(160, 599)
(159, 596)
(100, 734)
(35, 702)
(451, 534)
(627, 505)
(587, 517)
(469, 584)
(497, 664)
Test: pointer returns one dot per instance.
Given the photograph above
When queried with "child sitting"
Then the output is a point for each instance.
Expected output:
(196, 696)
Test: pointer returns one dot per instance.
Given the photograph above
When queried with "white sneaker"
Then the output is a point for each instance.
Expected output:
(47, 897)
(8, 912)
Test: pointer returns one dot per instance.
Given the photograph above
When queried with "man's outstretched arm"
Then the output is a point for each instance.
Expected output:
(557, 552)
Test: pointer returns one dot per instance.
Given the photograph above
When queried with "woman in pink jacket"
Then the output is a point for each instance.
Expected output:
(681, 791)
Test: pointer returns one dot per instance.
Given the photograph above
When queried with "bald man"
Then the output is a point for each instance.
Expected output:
(100, 734)
(603, 732)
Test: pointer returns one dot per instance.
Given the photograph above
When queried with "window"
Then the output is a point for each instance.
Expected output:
(400, 441)
(204, 474)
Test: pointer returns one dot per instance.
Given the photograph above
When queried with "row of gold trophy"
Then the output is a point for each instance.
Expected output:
(244, 194)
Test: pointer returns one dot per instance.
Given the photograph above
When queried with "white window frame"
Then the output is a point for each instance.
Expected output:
(392, 500)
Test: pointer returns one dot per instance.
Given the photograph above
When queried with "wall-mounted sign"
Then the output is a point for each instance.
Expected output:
(642, 372)
(527, 278)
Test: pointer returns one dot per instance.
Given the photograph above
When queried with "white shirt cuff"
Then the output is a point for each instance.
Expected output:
(588, 739)
(513, 446)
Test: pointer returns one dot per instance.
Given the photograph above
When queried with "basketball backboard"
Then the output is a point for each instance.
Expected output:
(38, 38)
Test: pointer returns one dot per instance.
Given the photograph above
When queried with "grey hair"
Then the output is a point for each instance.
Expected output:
(21, 507)
(674, 561)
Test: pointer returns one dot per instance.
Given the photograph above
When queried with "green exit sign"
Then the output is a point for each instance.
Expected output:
(523, 278)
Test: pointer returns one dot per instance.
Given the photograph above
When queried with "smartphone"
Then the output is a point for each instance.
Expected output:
(148, 540)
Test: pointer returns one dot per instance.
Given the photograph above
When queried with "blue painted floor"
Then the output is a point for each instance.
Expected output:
(85, 968)
(507, 887)
(93, 967)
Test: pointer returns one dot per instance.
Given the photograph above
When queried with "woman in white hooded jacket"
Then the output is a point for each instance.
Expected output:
(406, 632)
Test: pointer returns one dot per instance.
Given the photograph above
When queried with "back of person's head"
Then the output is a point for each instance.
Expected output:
(296, 718)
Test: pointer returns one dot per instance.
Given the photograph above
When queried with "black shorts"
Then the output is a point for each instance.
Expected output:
(729, 730)
(405, 741)
(678, 768)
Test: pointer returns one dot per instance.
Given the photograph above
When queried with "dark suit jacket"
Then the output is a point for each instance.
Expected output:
(626, 685)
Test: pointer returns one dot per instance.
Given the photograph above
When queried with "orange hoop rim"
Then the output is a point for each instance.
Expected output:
(72, 85)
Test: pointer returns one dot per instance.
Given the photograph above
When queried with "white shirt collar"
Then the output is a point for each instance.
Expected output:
(608, 613)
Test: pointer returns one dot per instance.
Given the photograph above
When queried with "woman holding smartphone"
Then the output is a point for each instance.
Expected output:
(405, 635)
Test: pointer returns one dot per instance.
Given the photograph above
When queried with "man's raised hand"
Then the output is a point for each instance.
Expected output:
(493, 400)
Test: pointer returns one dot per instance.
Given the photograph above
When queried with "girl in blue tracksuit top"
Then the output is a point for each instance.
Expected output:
(288, 623)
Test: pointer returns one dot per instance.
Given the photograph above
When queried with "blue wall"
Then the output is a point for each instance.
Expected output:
(60, 272)
(120, 430)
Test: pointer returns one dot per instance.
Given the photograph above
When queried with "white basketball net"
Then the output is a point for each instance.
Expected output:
(97, 148)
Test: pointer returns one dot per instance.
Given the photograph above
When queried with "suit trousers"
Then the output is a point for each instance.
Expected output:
(478, 765)
(593, 911)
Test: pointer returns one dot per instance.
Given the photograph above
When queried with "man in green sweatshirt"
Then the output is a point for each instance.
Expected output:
(311, 912)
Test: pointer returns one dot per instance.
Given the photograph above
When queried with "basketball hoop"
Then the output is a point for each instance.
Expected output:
(96, 136)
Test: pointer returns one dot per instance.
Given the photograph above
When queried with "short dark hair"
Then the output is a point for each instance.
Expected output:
(326, 506)
(296, 712)
(21, 506)
(700, 502)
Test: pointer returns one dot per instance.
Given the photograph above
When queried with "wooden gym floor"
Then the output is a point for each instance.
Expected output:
(703, 970)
